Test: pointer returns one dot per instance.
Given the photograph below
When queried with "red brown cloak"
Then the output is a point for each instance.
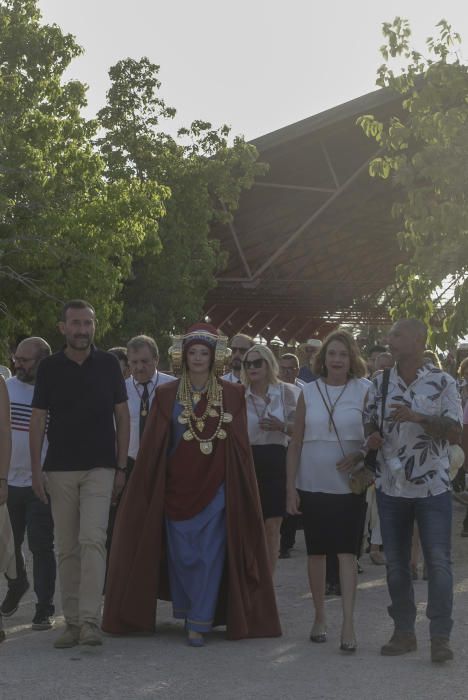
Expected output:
(137, 574)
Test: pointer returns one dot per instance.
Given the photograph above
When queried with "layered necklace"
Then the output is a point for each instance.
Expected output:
(144, 403)
(333, 404)
(260, 414)
(189, 398)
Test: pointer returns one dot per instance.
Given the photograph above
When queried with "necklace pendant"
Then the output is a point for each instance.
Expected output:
(216, 403)
(188, 435)
(206, 447)
(183, 420)
(222, 434)
(143, 412)
(196, 396)
(227, 418)
(213, 413)
(200, 425)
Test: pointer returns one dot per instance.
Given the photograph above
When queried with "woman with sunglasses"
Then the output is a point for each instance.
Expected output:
(327, 444)
(271, 406)
(188, 527)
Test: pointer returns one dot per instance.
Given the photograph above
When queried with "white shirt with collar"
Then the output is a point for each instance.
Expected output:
(134, 392)
(231, 377)
(281, 403)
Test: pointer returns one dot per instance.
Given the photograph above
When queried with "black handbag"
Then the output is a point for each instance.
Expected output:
(370, 460)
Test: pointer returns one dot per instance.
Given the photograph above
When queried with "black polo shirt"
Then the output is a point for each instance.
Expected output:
(80, 400)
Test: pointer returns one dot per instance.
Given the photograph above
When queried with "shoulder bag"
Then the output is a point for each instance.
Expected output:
(361, 478)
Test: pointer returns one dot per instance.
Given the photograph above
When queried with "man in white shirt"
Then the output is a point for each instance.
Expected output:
(26, 511)
(240, 344)
(144, 379)
(143, 359)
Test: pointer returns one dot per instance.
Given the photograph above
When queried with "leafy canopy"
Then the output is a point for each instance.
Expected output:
(167, 285)
(424, 155)
(65, 231)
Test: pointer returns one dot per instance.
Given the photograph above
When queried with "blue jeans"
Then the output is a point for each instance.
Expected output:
(28, 514)
(433, 515)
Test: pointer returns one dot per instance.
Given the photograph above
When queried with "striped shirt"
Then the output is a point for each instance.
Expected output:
(21, 395)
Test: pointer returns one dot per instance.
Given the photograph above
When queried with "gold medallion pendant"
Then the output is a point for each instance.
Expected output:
(188, 435)
(206, 447)
(183, 420)
(222, 434)
(200, 425)
(213, 413)
(227, 418)
(144, 412)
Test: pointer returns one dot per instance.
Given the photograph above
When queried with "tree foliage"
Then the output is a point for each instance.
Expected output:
(424, 155)
(205, 175)
(65, 231)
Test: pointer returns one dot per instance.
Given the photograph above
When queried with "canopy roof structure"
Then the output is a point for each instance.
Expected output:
(312, 244)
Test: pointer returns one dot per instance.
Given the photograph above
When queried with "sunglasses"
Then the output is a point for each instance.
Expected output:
(255, 364)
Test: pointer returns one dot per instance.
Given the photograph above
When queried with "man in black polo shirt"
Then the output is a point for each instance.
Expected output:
(83, 391)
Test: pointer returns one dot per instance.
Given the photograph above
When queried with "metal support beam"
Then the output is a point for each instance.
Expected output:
(330, 166)
(257, 313)
(228, 317)
(237, 244)
(279, 251)
(299, 188)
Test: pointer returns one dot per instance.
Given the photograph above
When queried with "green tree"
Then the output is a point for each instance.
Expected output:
(65, 231)
(424, 155)
(167, 286)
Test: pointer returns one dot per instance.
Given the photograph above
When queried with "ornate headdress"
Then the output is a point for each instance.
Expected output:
(202, 334)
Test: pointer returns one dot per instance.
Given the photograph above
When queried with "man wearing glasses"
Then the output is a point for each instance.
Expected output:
(27, 513)
(240, 344)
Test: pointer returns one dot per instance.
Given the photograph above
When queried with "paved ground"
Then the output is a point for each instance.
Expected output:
(289, 667)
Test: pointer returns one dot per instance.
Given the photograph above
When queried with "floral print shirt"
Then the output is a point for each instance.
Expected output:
(424, 460)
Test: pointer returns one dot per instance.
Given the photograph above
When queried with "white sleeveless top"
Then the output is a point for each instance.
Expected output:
(321, 451)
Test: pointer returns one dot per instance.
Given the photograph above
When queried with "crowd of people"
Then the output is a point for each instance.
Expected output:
(187, 485)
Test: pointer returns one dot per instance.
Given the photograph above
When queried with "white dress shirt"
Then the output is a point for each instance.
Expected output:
(231, 377)
(281, 403)
(134, 392)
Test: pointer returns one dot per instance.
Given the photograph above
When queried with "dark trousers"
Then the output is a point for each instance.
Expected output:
(433, 515)
(28, 514)
(289, 526)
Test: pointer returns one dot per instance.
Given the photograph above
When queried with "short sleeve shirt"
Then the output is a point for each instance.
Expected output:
(424, 459)
(80, 400)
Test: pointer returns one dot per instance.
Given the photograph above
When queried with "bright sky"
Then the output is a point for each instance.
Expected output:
(256, 65)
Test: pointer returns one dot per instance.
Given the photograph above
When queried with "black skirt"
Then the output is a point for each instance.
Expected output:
(332, 522)
(270, 468)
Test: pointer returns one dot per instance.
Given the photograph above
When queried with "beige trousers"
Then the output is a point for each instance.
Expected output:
(80, 508)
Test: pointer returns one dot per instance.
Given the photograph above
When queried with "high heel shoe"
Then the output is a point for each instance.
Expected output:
(319, 638)
(348, 647)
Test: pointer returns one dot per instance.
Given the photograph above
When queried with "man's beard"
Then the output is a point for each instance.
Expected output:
(73, 342)
(236, 364)
(24, 376)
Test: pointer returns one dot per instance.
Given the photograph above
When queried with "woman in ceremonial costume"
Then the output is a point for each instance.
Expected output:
(189, 527)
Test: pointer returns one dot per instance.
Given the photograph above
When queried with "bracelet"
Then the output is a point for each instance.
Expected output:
(120, 469)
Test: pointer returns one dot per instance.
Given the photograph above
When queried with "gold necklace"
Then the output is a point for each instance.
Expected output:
(196, 424)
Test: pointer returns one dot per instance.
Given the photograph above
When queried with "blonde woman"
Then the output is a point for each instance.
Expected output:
(271, 406)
